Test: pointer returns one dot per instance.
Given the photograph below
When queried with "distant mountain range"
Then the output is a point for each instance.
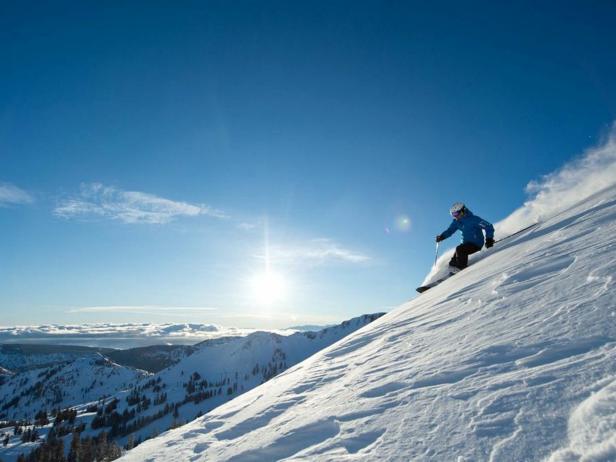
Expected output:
(113, 336)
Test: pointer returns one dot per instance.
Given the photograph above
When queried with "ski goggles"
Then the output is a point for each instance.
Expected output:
(457, 214)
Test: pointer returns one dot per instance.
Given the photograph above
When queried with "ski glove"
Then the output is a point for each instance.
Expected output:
(489, 242)
(439, 238)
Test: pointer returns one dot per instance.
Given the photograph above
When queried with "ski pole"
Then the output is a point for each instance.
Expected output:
(436, 255)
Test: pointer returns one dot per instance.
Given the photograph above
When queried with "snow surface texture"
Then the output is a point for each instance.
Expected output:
(513, 359)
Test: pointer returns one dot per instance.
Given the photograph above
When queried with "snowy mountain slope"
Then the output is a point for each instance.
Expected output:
(513, 359)
(62, 385)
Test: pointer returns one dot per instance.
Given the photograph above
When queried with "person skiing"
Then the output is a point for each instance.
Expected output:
(472, 228)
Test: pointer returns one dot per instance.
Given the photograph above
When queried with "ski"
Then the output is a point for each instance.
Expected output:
(422, 289)
(517, 232)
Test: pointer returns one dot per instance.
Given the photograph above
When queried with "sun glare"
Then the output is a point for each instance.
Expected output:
(268, 287)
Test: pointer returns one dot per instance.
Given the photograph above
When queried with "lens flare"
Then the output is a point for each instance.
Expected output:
(403, 223)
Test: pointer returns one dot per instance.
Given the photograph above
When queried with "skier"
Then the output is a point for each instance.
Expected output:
(472, 228)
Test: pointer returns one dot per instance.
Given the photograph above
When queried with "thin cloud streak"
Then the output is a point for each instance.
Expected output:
(286, 318)
(246, 226)
(154, 309)
(12, 195)
(314, 252)
(96, 199)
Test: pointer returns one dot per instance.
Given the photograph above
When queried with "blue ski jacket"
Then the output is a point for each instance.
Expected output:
(472, 228)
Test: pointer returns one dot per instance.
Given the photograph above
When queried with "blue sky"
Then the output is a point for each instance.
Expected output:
(147, 149)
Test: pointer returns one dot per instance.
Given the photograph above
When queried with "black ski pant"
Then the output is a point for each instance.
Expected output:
(460, 258)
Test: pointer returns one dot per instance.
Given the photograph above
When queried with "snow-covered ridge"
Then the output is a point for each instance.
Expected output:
(513, 359)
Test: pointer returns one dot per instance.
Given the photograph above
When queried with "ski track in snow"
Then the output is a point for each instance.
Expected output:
(514, 359)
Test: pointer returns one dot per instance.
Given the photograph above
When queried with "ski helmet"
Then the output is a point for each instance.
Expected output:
(458, 209)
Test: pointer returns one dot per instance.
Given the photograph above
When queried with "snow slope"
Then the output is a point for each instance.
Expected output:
(513, 359)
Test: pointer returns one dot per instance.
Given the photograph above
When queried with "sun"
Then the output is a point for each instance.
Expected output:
(268, 287)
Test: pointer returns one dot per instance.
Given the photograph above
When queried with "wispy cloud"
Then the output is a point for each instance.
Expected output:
(126, 331)
(12, 195)
(96, 199)
(142, 309)
(247, 226)
(314, 252)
